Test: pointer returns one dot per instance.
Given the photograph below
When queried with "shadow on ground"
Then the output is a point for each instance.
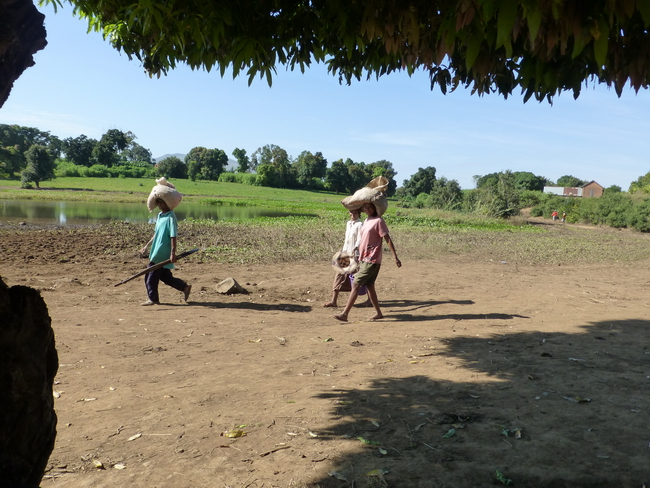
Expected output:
(547, 410)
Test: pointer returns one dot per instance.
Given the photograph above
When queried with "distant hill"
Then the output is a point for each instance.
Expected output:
(178, 155)
(232, 164)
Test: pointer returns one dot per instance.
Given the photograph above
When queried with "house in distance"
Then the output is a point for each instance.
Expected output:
(590, 190)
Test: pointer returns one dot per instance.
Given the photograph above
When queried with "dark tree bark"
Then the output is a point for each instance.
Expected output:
(28, 364)
(22, 34)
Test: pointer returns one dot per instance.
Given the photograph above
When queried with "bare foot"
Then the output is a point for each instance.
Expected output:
(330, 305)
(187, 291)
(376, 317)
(341, 317)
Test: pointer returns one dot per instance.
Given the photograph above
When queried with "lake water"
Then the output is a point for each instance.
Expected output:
(87, 213)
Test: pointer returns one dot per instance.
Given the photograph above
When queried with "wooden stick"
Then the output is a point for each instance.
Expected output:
(157, 266)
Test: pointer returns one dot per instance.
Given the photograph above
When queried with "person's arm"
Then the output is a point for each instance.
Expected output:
(143, 251)
(172, 257)
(391, 246)
(357, 240)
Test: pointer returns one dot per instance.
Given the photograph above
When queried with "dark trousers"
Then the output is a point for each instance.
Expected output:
(165, 275)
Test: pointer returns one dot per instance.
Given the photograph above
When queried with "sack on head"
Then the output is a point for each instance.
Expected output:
(165, 191)
(374, 192)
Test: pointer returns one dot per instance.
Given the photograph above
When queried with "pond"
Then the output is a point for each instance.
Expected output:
(88, 213)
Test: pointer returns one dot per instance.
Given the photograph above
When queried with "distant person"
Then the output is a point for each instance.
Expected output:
(554, 215)
(163, 243)
(351, 247)
(374, 229)
(563, 216)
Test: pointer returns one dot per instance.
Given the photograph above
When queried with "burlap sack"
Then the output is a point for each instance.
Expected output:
(374, 192)
(167, 192)
(344, 263)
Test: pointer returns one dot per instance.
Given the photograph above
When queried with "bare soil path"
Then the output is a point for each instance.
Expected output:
(539, 373)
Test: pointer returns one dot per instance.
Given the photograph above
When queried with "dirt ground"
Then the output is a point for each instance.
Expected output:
(481, 372)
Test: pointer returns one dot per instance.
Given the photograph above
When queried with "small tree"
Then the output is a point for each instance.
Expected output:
(525, 180)
(172, 167)
(337, 178)
(569, 181)
(310, 167)
(205, 164)
(79, 150)
(107, 150)
(40, 166)
(446, 194)
(421, 182)
(243, 160)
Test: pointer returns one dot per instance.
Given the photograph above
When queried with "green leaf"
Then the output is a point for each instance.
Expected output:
(488, 10)
(600, 44)
(505, 22)
(578, 46)
(450, 433)
(534, 19)
(473, 48)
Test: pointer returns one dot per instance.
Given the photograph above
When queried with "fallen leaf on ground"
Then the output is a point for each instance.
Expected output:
(233, 433)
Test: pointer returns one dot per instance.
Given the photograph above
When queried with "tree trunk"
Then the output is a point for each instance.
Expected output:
(28, 364)
(22, 34)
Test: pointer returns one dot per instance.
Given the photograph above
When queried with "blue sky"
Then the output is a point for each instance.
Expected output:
(80, 85)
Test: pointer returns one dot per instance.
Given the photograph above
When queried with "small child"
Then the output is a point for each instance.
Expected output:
(351, 246)
(163, 247)
(374, 229)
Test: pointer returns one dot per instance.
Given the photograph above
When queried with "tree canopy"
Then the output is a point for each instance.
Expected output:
(570, 181)
(420, 182)
(543, 47)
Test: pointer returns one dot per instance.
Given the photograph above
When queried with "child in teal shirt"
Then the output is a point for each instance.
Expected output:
(163, 247)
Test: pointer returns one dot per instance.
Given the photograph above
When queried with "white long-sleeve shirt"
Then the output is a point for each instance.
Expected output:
(352, 236)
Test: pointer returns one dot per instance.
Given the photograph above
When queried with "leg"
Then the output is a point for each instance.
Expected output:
(341, 283)
(372, 296)
(366, 304)
(332, 302)
(168, 278)
(151, 282)
(343, 316)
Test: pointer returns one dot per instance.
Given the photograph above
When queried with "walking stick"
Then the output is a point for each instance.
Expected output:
(157, 266)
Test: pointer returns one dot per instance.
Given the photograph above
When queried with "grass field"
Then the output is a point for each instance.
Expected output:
(418, 233)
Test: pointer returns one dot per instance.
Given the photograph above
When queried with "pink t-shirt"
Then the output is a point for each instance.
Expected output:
(372, 233)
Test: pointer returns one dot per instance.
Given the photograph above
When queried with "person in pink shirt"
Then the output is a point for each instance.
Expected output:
(374, 230)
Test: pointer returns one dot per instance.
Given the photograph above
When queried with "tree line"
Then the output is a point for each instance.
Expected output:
(271, 165)
(38, 156)
(505, 193)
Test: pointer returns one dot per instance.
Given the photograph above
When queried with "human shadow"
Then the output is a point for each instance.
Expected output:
(258, 307)
(457, 316)
(418, 304)
(553, 410)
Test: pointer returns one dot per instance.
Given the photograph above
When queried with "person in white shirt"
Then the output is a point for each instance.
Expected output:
(350, 246)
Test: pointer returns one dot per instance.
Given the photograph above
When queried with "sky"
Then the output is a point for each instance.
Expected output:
(81, 85)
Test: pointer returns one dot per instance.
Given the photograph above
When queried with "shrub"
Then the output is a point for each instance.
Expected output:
(96, 171)
(228, 178)
(529, 198)
(537, 211)
(66, 168)
(638, 216)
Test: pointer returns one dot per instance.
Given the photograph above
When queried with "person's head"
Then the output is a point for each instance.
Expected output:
(160, 203)
(354, 214)
(369, 209)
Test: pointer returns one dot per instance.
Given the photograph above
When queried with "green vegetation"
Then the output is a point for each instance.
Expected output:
(614, 209)
(417, 233)
(540, 48)
(117, 155)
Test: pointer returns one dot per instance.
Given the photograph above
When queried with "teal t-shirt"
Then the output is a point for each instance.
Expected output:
(161, 247)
